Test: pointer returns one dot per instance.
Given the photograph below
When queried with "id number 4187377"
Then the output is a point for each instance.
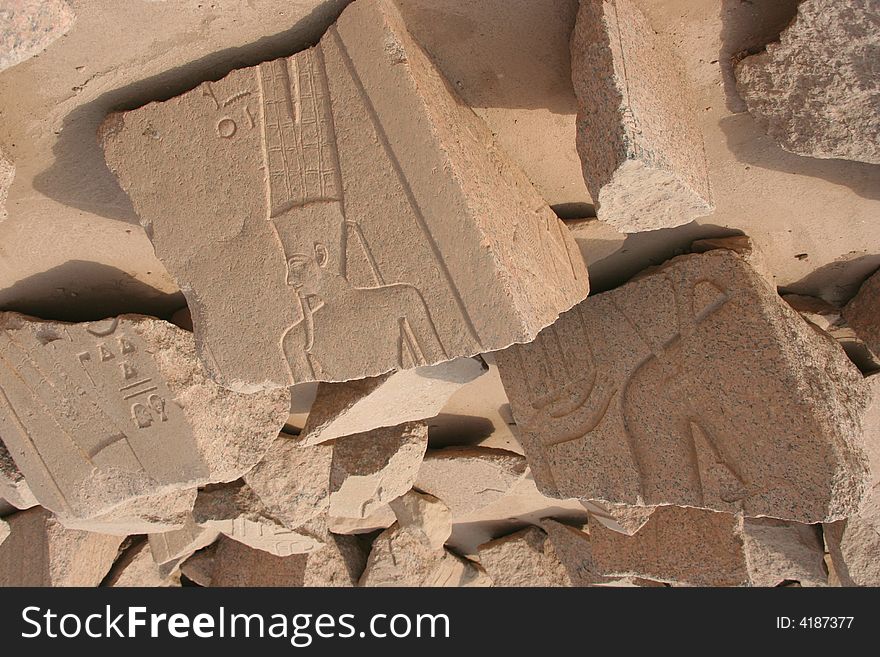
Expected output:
(814, 622)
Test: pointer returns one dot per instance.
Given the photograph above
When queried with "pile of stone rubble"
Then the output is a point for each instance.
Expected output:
(361, 261)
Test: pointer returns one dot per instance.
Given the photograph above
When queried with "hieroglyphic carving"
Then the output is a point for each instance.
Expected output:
(653, 394)
(351, 200)
(87, 416)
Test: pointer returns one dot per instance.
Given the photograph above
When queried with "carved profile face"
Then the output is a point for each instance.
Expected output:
(304, 271)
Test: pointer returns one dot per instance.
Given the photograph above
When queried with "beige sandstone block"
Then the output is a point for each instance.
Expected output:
(293, 480)
(695, 385)
(816, 91)
(370, 469)
(854, 546)
(525, 558)
(13, 487)
(27, 27)
(339, 563)
(423, 516)
(137, 567)
(703, 548)
(343, 409)
(400, 558)
(382, 518)
(863, 313)
(170, 549)
(235, 511)
(343, 187)
(40, 551)
(468, 479)
(99, 414)
(637, 134)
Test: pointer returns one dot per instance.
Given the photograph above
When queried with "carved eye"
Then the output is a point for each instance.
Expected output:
(226, 127)
(321, 254)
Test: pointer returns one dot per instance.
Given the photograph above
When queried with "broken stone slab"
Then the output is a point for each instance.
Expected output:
(425, 517)
(525, 558)
(27, 27)
(170, 549)
(40, 551)
(4, 530)
(862, 313)
(342, 215)
(742, 245)
(596, 239)
(13, 487)
(353, 407)
(815, 91)
(572, 547)
(467, 479)
(854, 545)
(163, 512)
(339, 563)
(637, 134)
(704, 548)
(293, 480)
(381, 518)
(199, 567)
(99, 414)
(137, 567)
(400, 558)
(370, 469)
(620, 517)
(235, 511)
(7, 174)
(644, 396)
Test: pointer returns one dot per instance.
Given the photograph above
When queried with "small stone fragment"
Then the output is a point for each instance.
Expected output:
(382, 518)
(27, 27)
(863, 313)
(338, 563)
(620, 517)
(647, 395)
(136, 567)
(301, 195)
(353, 407)
(371, 469)
(236, 511)
(199, 568)
(4, 530)
(525, 558)
(425, 517)
(467, 479)
(816, 91)
(704, 548)
(637, 134)
(40, 551)
(13, 487)
(170, 549)
(99, 414)
(7, 173)
(293, 480)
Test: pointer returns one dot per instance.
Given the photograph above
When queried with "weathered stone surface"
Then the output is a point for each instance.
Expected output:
(4, 530)
(742, 245)
(170, 549)
(342, 214)
(596, 239)
(572, 547)
(400, 558)
(467, 479)
(40, 551)
(343, 409)
(7, 173)
(371, 469)
(620, 517)
(526, 558)
(704, 548)
(637, 134)
(163, 512)
(863, 313)
(236, 511)
(382, 518)
(816, 90)
(199, 567)
(423, 516)
(293, 480)
(854, 545)
(137, 567)
(339, 563)
(13, 487)
(647, 395)
(27, 27)
(99, 414)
